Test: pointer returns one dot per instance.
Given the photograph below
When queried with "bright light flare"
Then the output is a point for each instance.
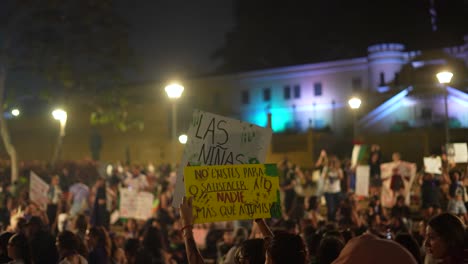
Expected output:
(15, 112)
(183, 139)
(444, 77)
(59, 115)
(174, 90)
(354, 103)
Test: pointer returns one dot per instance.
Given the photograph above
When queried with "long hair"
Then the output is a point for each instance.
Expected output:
(67, 240)
(251, 249)
(21, 247)
(287, 248)
(452, 231)
(102, 238)
(152, 241)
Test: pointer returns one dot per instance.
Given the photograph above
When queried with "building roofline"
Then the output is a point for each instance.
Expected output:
(360, 61)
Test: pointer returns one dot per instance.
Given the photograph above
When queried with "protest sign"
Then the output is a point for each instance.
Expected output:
(362, 180)
(359, 155)
(433, 165)
(233, 192)
(218, 140)
(406, 170)
(136, 205)
(38, 190)
(457, 152)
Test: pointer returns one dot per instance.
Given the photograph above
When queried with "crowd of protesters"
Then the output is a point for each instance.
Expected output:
(323, 221)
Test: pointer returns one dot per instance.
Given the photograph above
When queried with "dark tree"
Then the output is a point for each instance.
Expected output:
(73, 48)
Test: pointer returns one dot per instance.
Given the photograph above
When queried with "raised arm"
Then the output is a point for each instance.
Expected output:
(263, 227)
(186, 213)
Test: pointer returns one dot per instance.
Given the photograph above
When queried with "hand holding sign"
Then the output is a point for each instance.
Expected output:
(232, 192)
(186, 211)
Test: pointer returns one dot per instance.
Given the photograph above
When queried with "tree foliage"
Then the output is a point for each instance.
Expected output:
(68, 50)
(77, 48)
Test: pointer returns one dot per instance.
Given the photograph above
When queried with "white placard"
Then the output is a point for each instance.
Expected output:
(362, 180)
(144, 205)
(138, 205)
(38, 190)
(433, 165)
(218, 140)
(458, 152)
(406, 170)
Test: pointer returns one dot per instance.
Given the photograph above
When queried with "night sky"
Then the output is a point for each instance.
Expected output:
(175, 39)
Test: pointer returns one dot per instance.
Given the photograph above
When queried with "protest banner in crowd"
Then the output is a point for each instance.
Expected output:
(218, 140)
(38, 190)
(233, 192)
(138, 205)
(359, 155)
(433, 165)
(362, 180)
(406, 170)
(458, 152)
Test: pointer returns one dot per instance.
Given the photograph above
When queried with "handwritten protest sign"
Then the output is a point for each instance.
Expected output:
(362, 180)
(38, 190)
(233, 192)
(218, 140)
(407, 170)
(458, 152)
(433, 165)
(136, 205)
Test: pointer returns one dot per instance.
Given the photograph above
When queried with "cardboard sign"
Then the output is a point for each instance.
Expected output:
(218, 140)
(136, 205)
(406, 170)
(38, 190)
(433, 165)
(457, 152)
(233, 192)
(362, 180)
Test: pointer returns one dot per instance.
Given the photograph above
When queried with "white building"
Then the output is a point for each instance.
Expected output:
(315, 95)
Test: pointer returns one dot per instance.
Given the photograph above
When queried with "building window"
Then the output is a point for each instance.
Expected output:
(426, 113)
(382, 79)
(287, 92)
(397, 78)
(266, 94)
(245, 97)
(318, 89)
(357, 84)
(297, 91)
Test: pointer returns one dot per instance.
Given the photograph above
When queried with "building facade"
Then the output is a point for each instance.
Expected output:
(389, 81)
(398, 90)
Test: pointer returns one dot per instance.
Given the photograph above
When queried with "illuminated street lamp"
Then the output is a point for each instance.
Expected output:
(61, 116)
(15, 112)
(183, 139)
(354, 103)
(174, 91)
(444, 79)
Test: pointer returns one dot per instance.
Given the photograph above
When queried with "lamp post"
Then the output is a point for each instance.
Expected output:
(174, 91)
(61, 116)
(183, 139)
(354, 103)
(15, 112)
(444, 78)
